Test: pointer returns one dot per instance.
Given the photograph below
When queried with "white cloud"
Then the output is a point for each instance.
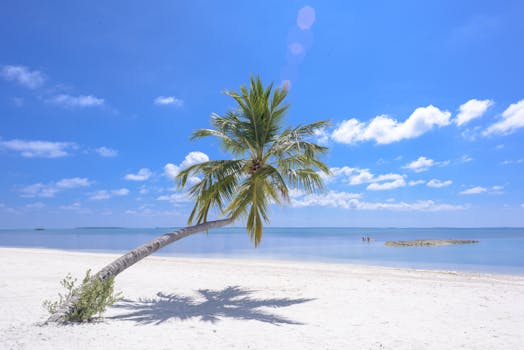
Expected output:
(331, 199)
(171, 170)
(120, 192)
(168, 100)
(48, 149)
(512, 119)
(416, 182)
(73, 183)
(322, 136)
(347, 200)
(39, 190)
(35, 206)
(509, 162)
(357, 176)
(465, 159)
(36, 149)
(49, 190)
(474, 190)
(420, 165)
(422, 205)
(69, 101)
(149, 210)
(383, 129)
(146, 210)
(176, 198)
(354, 176)
(142, 175)
(296, 192)
(424, 164)
(471, 110)
(349, 131)
(104, 194)
(397, 182)
(75, 207)
(100, 195)
(471, 134)
(194, 158)
(23, 76)
(106, 152)
(435, 183)
(498, 189)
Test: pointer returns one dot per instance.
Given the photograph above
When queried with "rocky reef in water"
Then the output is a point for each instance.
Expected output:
(429, 242)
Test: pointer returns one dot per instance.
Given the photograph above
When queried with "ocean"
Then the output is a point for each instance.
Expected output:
(500, 250)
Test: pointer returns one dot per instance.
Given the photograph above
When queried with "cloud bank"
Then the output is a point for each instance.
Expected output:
(38, 149)
(51, 189)
(384, 129)
(352, 201)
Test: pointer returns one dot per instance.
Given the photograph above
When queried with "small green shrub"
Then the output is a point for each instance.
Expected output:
(69, 284)
(93, 297)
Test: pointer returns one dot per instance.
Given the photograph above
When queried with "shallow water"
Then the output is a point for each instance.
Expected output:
(500, 250)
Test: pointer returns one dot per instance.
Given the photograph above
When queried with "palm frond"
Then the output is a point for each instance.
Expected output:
(292, 140)
(217, 186)
(307, 179)
(252, 203)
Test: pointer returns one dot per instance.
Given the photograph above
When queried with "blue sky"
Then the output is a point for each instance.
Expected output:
(426, 102)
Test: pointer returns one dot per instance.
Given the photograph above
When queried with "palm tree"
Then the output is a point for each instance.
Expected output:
(267, 161)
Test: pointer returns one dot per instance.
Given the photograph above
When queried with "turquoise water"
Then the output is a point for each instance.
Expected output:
(501, 250)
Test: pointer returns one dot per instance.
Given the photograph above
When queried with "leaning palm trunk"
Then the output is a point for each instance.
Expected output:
(137, 254)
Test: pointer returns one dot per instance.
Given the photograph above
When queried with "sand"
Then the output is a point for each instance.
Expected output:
(189, 303)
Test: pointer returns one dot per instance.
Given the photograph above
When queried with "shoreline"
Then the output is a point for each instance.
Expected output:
(257, 259)
(498, 252)
(193, 303)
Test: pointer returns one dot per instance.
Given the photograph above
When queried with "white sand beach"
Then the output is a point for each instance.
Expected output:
(189, 303)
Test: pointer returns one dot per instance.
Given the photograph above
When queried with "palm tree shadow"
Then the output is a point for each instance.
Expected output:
(210, 306)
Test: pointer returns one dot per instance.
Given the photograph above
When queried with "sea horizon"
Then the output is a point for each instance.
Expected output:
(267, 227)
(498, 250)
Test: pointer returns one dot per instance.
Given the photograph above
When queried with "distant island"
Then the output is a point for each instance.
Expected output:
(429, 242)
